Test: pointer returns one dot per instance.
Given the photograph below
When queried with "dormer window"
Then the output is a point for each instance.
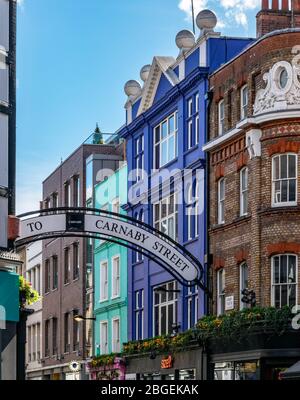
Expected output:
(221, 117)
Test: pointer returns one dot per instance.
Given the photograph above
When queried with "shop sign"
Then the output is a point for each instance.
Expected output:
(167, 363)
(229, 303)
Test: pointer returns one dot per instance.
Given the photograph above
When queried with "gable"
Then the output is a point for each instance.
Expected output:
(163, 87)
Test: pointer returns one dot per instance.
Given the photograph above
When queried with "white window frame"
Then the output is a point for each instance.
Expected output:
(103, 348)
(244, 191)
(159, 220)
(244, 106)
(190, 212)
(221, 117)
(220, 294)
(274, 193)
(166, 304)
(221, 202)
(167, 139)
(139, 313)
(243, 265)
(273, 285)
(116, 340)
(116, 205)
(140, 157)
(103, 285)
(190, 134)
(116, 280)
(193, 298)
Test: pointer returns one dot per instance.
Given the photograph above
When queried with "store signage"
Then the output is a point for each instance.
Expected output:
(229, 303)
(158, 246)
(167, 363)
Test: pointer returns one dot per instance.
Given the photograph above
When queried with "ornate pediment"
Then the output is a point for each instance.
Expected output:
(282, 91)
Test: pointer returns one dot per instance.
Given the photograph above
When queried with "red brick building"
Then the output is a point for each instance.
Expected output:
(254, 156)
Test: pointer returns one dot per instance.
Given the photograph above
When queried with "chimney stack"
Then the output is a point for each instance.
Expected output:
(275, 15)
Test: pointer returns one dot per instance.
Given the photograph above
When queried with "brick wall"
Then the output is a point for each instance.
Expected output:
(264, 231)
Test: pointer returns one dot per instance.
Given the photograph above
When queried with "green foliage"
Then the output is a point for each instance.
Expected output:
(27, 294)
(102, 361)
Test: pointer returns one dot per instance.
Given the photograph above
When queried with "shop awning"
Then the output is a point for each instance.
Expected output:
(291, 373)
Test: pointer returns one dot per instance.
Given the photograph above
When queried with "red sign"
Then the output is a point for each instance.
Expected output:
(167, 363)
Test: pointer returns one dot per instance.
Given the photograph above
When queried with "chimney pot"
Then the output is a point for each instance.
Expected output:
(275, 4)
(265, 4)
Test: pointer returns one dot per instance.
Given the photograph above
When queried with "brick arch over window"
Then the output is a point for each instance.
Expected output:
(283, 146)
(219, 263)
(241, 256)
(283, 248)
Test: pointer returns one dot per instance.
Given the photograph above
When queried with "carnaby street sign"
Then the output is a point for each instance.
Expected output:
(95, 223)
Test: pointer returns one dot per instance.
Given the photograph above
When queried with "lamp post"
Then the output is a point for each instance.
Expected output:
(81, 318)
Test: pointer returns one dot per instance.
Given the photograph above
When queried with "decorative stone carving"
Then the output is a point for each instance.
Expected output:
(282, 91)
(253, 143)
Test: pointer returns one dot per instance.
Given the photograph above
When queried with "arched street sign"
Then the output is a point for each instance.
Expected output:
(98, 224)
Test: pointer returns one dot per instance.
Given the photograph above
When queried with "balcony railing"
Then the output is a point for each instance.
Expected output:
(103, 139)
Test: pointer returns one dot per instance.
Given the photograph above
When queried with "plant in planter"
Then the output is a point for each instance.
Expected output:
(27, 295)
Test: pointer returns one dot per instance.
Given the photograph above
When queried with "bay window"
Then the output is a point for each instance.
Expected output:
(284, 177)
(284, 280)
(165, 141)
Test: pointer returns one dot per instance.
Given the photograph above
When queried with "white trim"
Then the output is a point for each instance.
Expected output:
(219, 294)
(242, 192)
(221, 221)
(242, 105)
(117, 256)
(272, 276)
(288, 114)
(242, 305)
(102, 299)
(221, 121)
(103, 322)
(113, 320)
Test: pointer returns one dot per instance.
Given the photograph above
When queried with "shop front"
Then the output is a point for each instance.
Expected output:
(189, 364)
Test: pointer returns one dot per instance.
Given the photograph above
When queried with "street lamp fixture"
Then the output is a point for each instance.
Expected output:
(81, 318)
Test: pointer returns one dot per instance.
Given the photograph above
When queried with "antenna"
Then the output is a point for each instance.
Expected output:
(193, 16)
(293, 14)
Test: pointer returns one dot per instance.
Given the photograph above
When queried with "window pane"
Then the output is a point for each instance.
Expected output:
(170, 317)
(276, 270)
(163, 320)
(284, 295)
(164, 153)
(276, 167)
(292, 295)
(283, 269)
(277, 296)
(164, 130)
(292, 166)
(292, 190)
(157, 134)
(284, 191)
(283, 166)
(172, 124)
(292, 269)
(172, 152)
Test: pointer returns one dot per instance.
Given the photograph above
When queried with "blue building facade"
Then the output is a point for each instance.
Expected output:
(165, 130)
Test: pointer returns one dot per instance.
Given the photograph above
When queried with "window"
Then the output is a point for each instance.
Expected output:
(244, 102)
(193, 121)
(193, 306)
(166, 216)
(76, 191)
(140, 157)
(67, 337)
(244, 283)
(284, 175)
(104, 337)
(165, 308)
(138, 256)
(244, 191)
(47, 342)
(284, 280)
(116, 276)
(193, 211)
(47, 276)
(165, 141)
(54, 273)
(221, 292)
(139, 314)
(75, 260)
(116, 206)
(221, 117)
(38, 342)
(75, 331)
(55, 200)
(67, 194)
(67, 265)
(104, 281)
(116, 335)
(54, 336)
(221, 201)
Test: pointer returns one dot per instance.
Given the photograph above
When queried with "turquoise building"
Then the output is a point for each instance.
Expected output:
(110, 278)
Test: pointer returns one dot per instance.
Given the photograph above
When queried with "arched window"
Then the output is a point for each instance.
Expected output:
(284, 280)
(221, 201)
(284, 180)
(244, 283)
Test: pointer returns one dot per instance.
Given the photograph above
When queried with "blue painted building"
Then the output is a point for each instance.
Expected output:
(165, 130)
